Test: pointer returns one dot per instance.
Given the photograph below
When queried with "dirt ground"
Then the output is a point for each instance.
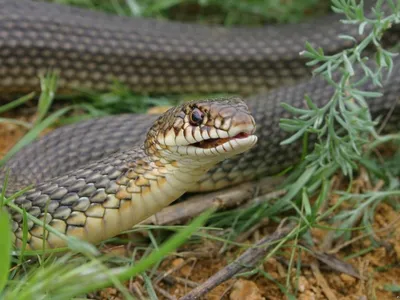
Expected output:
(377, 267)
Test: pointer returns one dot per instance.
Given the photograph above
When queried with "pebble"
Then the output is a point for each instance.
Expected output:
(245, 289)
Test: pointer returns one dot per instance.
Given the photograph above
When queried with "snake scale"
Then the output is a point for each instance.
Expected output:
(93, 179)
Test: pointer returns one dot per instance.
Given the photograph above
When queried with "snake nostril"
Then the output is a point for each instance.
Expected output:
(196, 117)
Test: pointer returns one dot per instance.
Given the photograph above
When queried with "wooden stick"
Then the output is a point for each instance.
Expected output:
(249, 259)
(227, 198)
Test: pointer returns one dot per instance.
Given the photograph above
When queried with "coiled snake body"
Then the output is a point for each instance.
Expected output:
(92, 49)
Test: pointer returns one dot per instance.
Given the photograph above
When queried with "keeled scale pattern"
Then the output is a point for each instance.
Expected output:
(90, 49)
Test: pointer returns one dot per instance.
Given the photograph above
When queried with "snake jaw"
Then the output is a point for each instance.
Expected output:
(222, 147)
(212, 143)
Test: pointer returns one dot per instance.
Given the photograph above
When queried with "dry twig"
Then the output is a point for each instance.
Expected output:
(227, 198)
(321, 281)
(164, 293)
(249, 259)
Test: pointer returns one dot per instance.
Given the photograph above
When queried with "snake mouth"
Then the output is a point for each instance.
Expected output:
(213, 143)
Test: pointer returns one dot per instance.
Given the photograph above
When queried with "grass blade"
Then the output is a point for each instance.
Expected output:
(34, 132)
(16, 103)
(5, 248)
(100, 280)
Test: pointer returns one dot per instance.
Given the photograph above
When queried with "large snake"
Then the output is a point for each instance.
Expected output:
(92, 180)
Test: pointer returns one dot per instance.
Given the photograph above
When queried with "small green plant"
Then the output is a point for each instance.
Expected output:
(343, 125)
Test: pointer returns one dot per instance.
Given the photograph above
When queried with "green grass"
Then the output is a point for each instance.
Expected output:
(5, 248)
(62, 277)
(210, 11)
(84, 269)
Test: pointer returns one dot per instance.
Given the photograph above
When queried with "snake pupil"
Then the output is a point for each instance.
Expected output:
(196, 117)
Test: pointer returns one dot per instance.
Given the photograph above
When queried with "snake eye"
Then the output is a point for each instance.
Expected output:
(196, 117)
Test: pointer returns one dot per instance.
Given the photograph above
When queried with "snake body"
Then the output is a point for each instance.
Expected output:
(90, 49)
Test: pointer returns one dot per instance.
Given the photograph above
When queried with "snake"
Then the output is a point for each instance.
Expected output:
(97, 178)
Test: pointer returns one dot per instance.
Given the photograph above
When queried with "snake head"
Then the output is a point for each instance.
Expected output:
(211, 130)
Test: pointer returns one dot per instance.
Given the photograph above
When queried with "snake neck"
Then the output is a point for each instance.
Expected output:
(177, 173)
